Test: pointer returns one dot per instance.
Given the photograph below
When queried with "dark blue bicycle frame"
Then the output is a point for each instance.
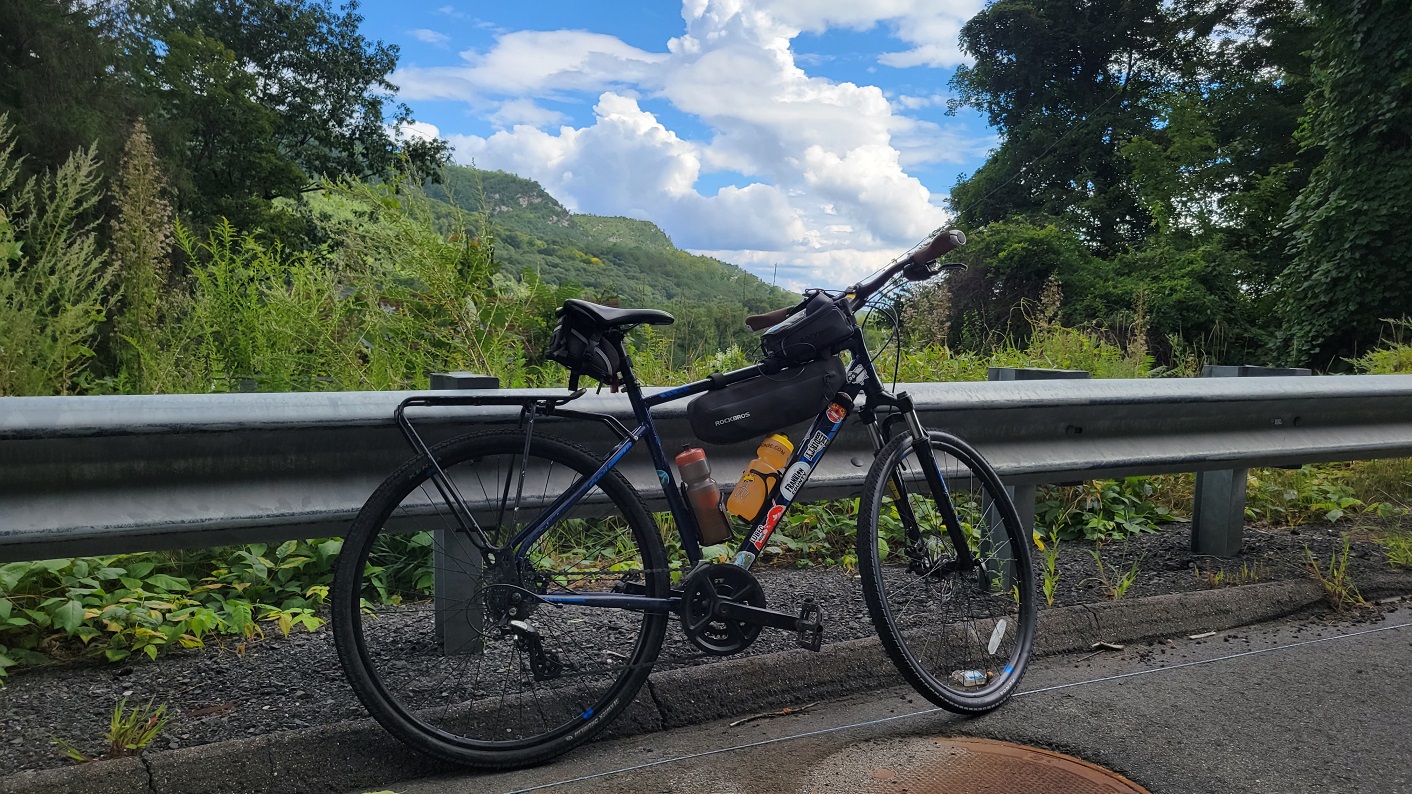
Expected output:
(861, 380)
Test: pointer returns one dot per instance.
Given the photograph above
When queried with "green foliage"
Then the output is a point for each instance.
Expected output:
(219, 137)
(246, 101)
(1115, 585)
(115, 607)
(1049, 563)
(1064, 84)
(53, 277)
(141, 236)
(1394, 356)
(1349, 226)
(326, 84)
(64, 78)
(1397, 545)
(1294, 497)
(1101, 509)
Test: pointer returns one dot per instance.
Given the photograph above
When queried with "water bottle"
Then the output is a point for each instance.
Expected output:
(704, 496)
(759, 477)
(969, 678)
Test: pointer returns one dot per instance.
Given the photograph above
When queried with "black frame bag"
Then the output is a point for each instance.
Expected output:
(764, 405)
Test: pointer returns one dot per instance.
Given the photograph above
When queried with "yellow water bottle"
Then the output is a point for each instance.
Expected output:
(760, 477)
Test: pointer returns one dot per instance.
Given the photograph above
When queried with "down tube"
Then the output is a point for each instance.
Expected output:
(820, 437)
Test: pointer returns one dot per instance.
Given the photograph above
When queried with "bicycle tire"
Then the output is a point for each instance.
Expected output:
(475, 691)
(937, 623)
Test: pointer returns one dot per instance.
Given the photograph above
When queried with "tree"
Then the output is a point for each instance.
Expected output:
(1348, 229)
(62, 79)
(324, 83)
(220, 140)
(1065, 84)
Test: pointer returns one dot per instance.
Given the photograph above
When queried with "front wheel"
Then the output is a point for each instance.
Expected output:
(960, 633)
(455, 650)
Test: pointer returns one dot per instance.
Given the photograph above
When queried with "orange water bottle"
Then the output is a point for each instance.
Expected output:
(760, 476)
(704, 495)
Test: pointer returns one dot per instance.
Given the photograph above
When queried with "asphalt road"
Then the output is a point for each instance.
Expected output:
(1286, 707)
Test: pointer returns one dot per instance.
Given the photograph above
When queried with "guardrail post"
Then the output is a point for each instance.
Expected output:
(1023, 496)
(456, 562)
(1218, 517)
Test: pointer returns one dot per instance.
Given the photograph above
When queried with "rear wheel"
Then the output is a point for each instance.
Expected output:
(960, 635)
(452, 650)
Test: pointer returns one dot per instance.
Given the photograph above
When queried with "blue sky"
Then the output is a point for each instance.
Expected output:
(811, 135)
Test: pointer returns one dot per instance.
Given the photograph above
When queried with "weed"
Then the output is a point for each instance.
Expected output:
(128, 731)
(1049, 556)
(1114, 588)
(1338, 587)
(1101, 509)
(1248, 574)
(1293, 497)
(1397, 545)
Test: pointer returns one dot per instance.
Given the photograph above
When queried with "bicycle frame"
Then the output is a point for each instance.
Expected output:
(862, 379)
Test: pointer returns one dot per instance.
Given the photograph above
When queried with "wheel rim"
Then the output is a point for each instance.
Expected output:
(489, 674)
(965, 633)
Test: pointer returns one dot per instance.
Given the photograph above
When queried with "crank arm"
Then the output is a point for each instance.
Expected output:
(730, 610)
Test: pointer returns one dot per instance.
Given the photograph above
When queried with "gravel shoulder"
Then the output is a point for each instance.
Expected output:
(281, 684)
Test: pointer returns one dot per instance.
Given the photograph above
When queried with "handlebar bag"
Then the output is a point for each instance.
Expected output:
(820, 330)
(765, 404)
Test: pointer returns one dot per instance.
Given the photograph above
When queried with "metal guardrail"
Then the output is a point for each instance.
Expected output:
(102, 475)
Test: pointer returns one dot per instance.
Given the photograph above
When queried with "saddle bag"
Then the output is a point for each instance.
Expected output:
(582, 347)
(764, 405)
(820, 330)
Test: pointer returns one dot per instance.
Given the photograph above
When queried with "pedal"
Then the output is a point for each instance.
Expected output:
(809, 629)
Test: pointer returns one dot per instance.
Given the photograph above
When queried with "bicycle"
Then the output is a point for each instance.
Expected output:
(552, 585)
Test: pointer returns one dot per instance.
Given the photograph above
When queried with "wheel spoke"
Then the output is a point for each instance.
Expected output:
(936, 620)
(496, 677)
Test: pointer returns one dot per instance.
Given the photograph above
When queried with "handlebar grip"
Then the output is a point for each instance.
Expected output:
(759, 322)
(940, 246)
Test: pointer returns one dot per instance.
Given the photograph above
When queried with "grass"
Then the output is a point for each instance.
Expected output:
(1338, 586)
(1114, 588)
(1219, 577)
(128, 731)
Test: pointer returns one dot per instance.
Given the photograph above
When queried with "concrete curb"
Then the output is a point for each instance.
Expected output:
(348, 755)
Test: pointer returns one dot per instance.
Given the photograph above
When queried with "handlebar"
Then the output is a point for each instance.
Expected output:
(937, 247)
(940, 246)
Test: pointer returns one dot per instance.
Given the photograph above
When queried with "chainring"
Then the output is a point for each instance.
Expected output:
(707, 586)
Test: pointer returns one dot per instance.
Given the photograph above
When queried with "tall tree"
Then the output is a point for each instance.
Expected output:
(219, 139)
(325, 84)
(1065, 84)
(1348, 229)
(62, 79)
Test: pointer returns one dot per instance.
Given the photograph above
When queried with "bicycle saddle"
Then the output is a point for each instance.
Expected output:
(609, 317)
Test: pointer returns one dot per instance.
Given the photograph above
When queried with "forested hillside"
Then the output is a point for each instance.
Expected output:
(623, 258)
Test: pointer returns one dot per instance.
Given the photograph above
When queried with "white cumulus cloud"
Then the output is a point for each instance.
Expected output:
(826, 190)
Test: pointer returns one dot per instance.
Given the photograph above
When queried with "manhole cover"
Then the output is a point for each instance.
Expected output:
(983, 766)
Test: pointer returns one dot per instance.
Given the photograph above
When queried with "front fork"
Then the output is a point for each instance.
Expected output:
(936, 484)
